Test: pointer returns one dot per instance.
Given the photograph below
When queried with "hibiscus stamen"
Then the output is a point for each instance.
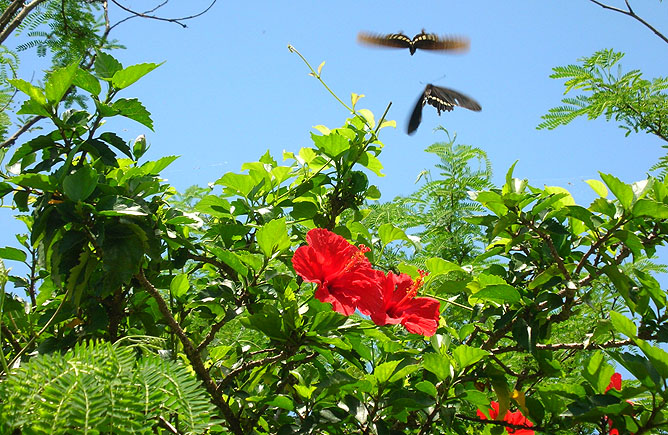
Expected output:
(356, 259)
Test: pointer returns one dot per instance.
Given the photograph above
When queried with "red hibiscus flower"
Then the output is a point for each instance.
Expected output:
(343, 274)
(510, 417)
(418, 315)
(615, 383)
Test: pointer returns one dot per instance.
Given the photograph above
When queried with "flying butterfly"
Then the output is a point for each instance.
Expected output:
(423, 41)
(443, 99)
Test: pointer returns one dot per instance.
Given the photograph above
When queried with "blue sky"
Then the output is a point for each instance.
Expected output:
(230, 89)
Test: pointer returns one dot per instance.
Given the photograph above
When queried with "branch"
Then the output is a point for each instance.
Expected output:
(564, 346)
(633, 15)
(155, 17)
(25, 127)
(250, 365)
(192, 354)
(6, 31)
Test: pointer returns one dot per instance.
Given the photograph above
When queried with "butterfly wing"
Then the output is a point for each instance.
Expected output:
(446, 99)
(431, 41)
(396, 40)
(416, 116)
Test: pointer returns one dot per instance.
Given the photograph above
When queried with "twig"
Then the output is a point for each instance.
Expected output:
(633, 15)
(191, 353)
(563, 346)
(155, 17)
(25, 127)
(11, 26)
(250, 365)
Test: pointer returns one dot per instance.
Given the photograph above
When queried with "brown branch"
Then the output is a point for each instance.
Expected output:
(248, 366)
(564, 346)
(9, 12)
(18, 19)
(7, 334)
(219, 264)
(192, 354)
(25, 127)
(155, 17)
(633, 15)
(212, 334)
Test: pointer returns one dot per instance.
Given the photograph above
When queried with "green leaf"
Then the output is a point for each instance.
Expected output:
(273, 237)
(87, 82)
(106, 65)
(10, 253)
(427, 388)
(650, 208)
(466, 355)
(133, 109)
(117, 142)
(403, 372)
(623, 324)
(657, 356)
(268, 321)
(332, 144)
(155, 167)
(43, 182)
(598, 372)
(127, 76)
(371, 162)
(239, 183)
(622, 191)
(438, 266)
(35, 93)
(59, 82)
(389, 233)
(81, 184)
(598, 187)
(179, 285)
(438, 364)
(384, 371)
(500, 293)
(32, 107)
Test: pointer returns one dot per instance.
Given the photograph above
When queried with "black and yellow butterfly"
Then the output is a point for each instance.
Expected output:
(423, 41)
(443, 99)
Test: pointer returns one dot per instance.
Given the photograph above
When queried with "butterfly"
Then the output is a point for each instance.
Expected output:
(423, 41)
(443, 99)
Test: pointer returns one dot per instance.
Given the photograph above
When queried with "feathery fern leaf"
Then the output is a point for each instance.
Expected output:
(100, 387)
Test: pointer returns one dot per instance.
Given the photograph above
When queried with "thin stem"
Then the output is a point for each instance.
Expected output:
(633, 15)
(315, 74)
(192, 355)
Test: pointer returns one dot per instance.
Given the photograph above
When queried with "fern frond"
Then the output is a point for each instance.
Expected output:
(100, 387)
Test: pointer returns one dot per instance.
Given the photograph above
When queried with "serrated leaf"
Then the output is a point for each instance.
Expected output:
(622, 191)
(273, 237)
(389, 233)
(371, 162)
(466, 355)
(59, 82)
(106, 65)
(598, 187)
(79, 185)
(36, 94)
(133, 109)
(87, 82)
(127, 76)
(650, 208)
(384, 371)
(427, 388)
(438, 364)
(623, 324)
(500, 293)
